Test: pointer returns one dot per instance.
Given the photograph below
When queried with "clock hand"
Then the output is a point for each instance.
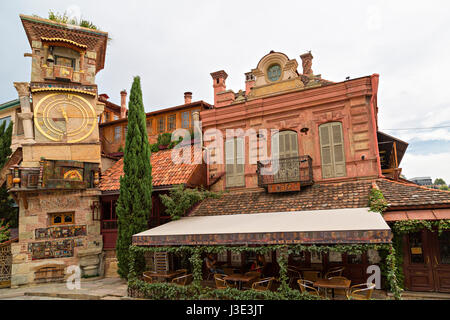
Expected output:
(63, 111)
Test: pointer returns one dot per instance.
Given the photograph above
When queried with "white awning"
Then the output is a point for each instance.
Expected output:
(318, 226)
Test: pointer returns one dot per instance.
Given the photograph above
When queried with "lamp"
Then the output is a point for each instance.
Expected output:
(96, 214)
(304, 130)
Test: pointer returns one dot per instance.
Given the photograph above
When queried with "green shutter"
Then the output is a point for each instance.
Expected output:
(235, 162)
(332, 150)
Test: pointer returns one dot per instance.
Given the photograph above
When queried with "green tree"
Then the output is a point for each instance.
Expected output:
(135, 199)
(439, 182)
(444, 187)
(7, 210)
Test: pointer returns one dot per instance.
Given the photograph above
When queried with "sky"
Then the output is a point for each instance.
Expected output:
(175, 45)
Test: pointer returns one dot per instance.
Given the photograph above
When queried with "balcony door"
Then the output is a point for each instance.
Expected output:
(286, 151)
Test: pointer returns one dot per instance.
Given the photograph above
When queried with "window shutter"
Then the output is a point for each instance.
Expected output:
(332, 150)
(338, 150)
(234, 162)
(240, 161)
(325, 151)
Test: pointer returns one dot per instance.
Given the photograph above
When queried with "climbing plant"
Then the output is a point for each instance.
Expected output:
(4, 231)
(377, 202)
(284, 291)
(181, 199)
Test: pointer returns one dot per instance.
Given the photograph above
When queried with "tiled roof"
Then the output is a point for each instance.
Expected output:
(401, 194)
(164, 171)
(316, 197)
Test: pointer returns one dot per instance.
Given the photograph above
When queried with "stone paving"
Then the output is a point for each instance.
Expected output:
(91, 289)
(116, 289)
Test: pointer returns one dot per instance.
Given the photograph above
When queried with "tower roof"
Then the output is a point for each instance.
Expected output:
(38, 29)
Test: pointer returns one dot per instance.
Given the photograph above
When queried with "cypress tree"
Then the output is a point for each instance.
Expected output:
(7, 210)
(135, 199)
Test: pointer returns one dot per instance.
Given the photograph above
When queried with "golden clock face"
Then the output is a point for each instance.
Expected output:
(65, 117)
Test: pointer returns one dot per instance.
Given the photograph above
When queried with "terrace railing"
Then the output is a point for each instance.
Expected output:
(285, 170)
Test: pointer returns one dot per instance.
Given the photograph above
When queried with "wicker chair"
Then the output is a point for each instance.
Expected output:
(361, 294)
(147, 276)
(263, 285)
(183, 280)
(334, 272)
(182, 271)
(306, 286)
(311, 275)
(293, 275)
(221, 283)
(256, 275)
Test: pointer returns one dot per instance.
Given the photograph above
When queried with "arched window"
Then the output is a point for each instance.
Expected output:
(332, 150)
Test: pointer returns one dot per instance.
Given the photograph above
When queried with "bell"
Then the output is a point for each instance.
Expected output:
(50, 58)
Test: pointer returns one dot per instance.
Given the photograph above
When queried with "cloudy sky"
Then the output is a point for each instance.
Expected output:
(175, 45)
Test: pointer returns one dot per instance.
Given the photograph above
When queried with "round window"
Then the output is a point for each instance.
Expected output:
(274, 72)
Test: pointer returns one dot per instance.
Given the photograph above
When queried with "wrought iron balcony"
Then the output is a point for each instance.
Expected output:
(284, 171)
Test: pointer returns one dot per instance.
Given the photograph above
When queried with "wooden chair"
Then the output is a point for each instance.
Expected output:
(183, 280)
(147, 276)
(340, 291)
(361, 294)
(263, 285)
(311, 275)
(334, 272)
(221, 283)
(306, 286)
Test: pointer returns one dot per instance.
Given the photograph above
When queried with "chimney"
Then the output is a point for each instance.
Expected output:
(249, 82)
(187, 97)
(123, 104)
(307, 63)
(219, 78)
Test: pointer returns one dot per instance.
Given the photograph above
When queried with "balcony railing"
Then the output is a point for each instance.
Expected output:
(286, 170)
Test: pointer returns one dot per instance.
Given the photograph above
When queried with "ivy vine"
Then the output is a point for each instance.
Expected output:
(377, 202)
(283, 292)
(181, 199)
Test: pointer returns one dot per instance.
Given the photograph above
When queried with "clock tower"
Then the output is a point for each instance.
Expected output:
(55, 185)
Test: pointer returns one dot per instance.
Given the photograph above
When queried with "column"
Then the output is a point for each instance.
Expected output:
(23, 89)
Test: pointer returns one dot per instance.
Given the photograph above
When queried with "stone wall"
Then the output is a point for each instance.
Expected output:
(84, 249)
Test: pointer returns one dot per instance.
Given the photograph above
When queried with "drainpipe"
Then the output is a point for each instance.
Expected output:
(374, 79)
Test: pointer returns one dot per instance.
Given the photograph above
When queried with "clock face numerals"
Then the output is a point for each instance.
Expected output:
(65, 117)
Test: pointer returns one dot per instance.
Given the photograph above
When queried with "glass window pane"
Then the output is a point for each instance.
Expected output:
(354, 259)
(444, 247)
(416, 247)
(68, 218)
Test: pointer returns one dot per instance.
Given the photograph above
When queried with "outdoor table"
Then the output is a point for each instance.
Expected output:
(166, 275)
(239, 278)
(332, 284)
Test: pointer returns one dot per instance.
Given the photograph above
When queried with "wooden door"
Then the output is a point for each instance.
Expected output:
(417, 264)
(440, 260)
